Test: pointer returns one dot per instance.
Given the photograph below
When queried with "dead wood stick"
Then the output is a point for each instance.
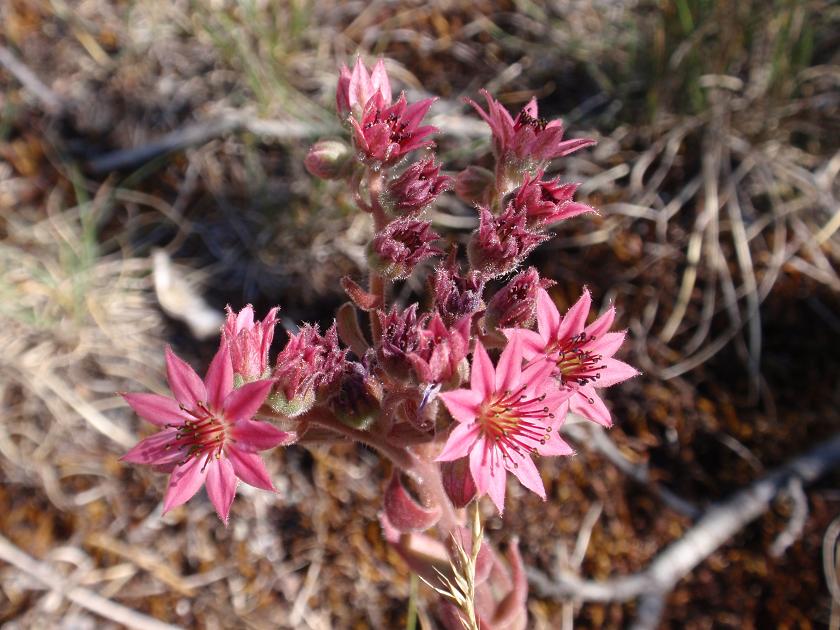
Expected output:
(201, 132)
(30, 81)
(81, 596)
(720, 522)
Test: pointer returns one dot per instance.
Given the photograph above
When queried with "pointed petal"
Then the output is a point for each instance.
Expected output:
(219, 379)
(536, 373)
(249, 467)
(575, 319)
(607, 344)
(252, 436)
(379, 80)
(555, 446)
(589, 405)
(245, 319)
(548, 317)
(243, 403)
(615, 372)
(460, 441)
(482, 375)
(509, 369)
(184, 482)
(221, 486)
(497, 484)
(152, 451)
(528, 475)
(532, 343)
(555, 398)
(184, 382)
(159, 410)
(462, 403)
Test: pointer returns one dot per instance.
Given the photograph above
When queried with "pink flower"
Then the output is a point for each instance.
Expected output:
(209, 435)
(401, 245)
(249, 342)
(356, 88)
(417, 187)
(387, 132)
(507, 414)
(582, 354)
(527, 139)
(547, 202)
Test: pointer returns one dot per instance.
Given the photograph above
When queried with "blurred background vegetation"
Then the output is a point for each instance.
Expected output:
(151, 168)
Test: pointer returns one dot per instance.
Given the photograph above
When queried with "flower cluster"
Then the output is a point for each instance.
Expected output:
(420, 385)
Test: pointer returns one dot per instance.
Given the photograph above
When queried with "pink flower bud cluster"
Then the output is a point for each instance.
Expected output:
(459, 393)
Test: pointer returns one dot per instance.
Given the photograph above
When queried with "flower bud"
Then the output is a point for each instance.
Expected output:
(328, 159)
(502, 242)
(356, 399)
(248, 343)
(475, 185)
(417, 187)
(399, 247)
(515, 304)
(458, 482)
(403, 512)
(309, 364)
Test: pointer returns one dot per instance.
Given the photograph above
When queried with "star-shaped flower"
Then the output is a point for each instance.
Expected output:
(209, 435)
(582, 355)
(508, 414)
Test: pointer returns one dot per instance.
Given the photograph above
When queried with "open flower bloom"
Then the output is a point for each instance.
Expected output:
(209, 435)
(387, 132)
(582, 355)
(526, 138)
(507, 414)
(547, 202)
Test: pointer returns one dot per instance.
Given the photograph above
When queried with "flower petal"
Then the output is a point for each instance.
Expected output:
(462, 403)
(243, 403)
(252, 436)
(221, 486)
(460, 441)
(607, 344)
(219, 378)
(509, 368)
(602, 324)
(615, 372)
(555, 446)
(249, 467)
(184, 482)
(184, 382)
(153, 450)
(482, 375)
(526, 471)
(574, 320)
(589, 405)
(532, 343)
(548, 317)
(159, 410)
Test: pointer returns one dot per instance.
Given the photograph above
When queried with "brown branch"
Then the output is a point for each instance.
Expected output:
(720, 522)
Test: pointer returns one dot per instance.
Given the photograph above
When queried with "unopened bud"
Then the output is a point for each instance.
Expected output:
(328, 159)
(458, 482)
(475, 185)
